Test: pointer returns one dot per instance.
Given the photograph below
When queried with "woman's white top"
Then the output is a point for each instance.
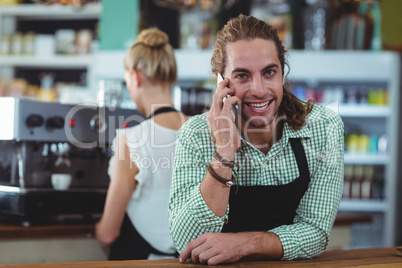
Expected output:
(152, 150)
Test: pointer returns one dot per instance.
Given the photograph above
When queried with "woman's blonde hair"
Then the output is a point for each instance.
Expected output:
(249, 28)
(154, 56)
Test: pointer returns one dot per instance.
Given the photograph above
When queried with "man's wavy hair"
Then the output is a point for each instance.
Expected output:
(292, 110)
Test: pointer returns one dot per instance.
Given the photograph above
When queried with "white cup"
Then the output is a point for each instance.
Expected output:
(61, 181)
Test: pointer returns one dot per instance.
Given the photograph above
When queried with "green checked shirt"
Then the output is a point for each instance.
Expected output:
(307, 237)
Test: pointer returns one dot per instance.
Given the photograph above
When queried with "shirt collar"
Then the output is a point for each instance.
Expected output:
(287, 133)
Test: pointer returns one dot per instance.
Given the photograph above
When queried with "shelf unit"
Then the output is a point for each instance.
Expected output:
(367, 159)
(191, 64)
(351, 205)
(364, 111)
(9, 17)
(58, 61)
(38, 11)
(366, 67)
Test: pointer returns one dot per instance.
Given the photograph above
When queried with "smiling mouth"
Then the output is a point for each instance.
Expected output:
(259, 106)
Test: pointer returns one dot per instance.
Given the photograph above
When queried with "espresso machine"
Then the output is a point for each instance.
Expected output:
(38, 139)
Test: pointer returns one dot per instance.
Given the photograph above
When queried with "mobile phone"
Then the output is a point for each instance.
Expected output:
(235, 107)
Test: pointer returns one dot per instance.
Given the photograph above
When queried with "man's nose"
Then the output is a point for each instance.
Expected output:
(257, 86)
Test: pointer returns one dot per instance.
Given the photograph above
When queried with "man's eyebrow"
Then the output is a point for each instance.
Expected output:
(240, 70)
(270, 66)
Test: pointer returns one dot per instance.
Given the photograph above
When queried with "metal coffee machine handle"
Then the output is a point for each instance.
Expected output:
(20, 158)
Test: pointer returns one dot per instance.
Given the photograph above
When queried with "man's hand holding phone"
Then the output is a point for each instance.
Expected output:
(235, 107)
(223, 118)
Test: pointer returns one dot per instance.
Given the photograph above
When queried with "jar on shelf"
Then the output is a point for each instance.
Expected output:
(83, 42)
(18, 87)
(16, 44)
(28, 43)
(5, 45)
(65, 39)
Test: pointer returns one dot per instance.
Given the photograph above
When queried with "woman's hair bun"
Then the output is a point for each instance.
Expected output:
(153, 38)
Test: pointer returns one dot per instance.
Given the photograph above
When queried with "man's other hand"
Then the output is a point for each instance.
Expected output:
(215, 248)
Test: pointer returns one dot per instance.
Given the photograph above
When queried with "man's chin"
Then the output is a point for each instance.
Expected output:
(259, 122)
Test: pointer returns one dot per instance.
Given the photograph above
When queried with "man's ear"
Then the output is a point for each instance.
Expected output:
(136, 77)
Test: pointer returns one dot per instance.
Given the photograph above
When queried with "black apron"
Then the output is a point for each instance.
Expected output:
(261, 208)
(130, 245)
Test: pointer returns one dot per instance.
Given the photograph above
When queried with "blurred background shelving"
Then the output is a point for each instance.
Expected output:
(368, 102)
(52, 41)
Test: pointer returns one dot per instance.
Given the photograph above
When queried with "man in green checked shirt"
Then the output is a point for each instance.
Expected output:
(269, 187)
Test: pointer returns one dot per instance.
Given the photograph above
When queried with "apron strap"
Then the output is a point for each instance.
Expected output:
(162, 110)
(300, 156)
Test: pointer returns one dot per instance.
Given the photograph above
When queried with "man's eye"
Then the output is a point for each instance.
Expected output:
(241, 76)
(270, 72)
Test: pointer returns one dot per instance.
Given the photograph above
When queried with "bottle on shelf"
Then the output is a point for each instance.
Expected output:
(47, 92)
(348, 173)
(383, 142)
(378, 183)
(355, 186)
(373, 144)
(3, 87)
(315, 18)
(367, 182)
(363, 144)
(376, 42)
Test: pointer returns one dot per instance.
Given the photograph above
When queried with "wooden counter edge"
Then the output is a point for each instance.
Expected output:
(336, 258)
(16, 232)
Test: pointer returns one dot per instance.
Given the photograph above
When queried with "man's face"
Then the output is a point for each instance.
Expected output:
(255, 73)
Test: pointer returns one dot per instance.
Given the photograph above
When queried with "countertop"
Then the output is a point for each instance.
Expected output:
(378, 257)
(46, 231)
(17, 230)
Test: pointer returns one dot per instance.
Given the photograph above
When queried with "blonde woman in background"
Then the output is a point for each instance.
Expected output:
(135, 219)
